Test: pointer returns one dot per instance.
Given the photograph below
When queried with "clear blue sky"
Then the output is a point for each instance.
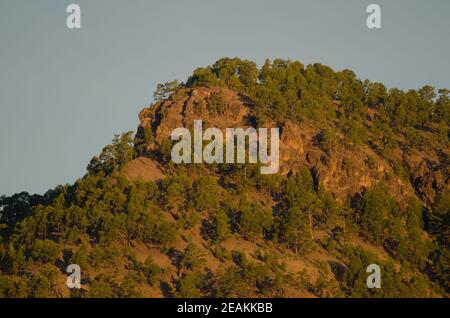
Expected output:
(64, 93)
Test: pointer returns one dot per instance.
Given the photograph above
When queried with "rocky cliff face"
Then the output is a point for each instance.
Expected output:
(344, 171)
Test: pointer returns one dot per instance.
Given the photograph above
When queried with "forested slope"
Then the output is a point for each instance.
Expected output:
(364, 178)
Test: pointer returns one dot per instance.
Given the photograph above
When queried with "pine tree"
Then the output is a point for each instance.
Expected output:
(221, 225)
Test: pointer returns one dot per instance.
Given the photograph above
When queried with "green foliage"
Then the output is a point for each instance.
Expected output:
(129, 288)
(393, 283)
(442, 112)
(301, 205)
(14, 259)
(193, 258)
(103, 256)
(231, 283)
(329, 140)
(294, 230)
(285, 89)
(270, 184)
(16, 207)
(297, 186)
(113, 156)
(103, 286)
(206, 193)
(266, 279)
(164, 235)
(99, 219)
(440, 267)
(45, 251)
(440, 256)
(253, 220)
(7, 286)
(379, 208)
(376, 95)
(81, 256)
(176, 189)
(217, 104)
(190, 285)
(401, 170)
(220, 226)
(202, 77)
(441, 218)
(151, 271)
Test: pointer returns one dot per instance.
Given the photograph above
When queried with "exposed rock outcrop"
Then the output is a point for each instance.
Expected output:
(344, 171)
(144, 169)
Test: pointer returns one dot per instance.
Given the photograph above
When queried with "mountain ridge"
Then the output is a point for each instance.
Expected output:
(364, 179)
